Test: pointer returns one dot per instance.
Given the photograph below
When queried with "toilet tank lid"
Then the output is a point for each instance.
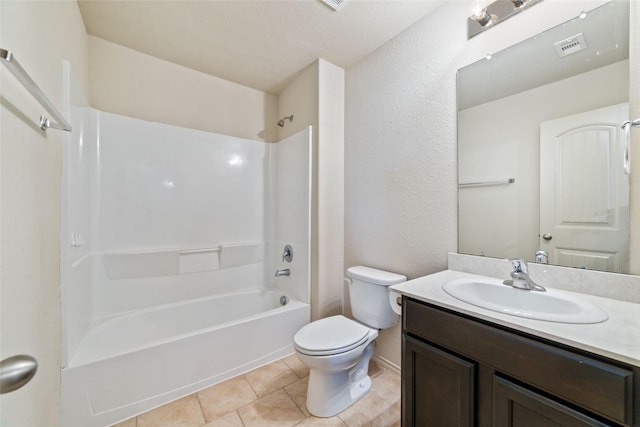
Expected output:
(373, 275)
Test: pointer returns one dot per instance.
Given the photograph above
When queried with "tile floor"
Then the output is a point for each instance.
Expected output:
(275, 395)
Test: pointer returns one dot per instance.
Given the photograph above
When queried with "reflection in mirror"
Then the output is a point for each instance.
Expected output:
(540, 146)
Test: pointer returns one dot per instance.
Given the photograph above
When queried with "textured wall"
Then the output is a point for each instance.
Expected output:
(400, 140)
(400, 156)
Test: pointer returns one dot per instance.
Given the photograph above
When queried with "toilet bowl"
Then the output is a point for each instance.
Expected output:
(337, 350)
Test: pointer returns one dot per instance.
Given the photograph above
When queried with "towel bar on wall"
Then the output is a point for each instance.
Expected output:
(9, 60)
(486, 183)
(626, 127)
(633, 124)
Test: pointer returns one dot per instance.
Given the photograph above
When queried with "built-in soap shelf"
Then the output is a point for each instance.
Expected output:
(166, 262)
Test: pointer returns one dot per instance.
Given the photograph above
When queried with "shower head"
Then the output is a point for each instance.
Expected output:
(281, 121)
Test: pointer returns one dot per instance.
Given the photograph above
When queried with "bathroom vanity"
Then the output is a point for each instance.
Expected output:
(464, 365)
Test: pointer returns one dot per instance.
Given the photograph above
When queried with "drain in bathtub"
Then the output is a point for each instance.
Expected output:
(284, 300)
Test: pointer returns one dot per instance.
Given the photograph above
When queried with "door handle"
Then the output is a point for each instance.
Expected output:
(547, 236)
(16, 371)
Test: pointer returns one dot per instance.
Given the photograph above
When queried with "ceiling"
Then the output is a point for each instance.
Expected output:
(257, 43)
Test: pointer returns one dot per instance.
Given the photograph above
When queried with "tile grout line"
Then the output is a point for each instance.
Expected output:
(294, 401)
(235, 410)
(249, 403)
(379, 371)
(252, 387)
(240, 418)
(201, 408)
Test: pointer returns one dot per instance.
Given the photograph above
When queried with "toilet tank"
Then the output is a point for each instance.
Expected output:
(369, 295)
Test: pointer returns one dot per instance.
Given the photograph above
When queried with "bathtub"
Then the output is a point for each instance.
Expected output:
(133, 362)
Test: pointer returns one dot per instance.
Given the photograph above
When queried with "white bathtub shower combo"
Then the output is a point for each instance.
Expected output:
(173, 239)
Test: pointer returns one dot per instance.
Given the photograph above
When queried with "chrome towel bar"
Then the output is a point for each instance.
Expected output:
(626, 127)
(9, 60)
(486, 183)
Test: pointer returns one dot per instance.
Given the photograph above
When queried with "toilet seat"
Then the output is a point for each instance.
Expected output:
(331, 335)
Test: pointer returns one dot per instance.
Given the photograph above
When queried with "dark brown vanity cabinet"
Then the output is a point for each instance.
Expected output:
(461, 372)
(447, 379)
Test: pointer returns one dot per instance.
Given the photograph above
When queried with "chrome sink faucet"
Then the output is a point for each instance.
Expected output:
(520, 277)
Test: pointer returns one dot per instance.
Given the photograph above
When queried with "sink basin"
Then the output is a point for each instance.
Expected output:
(552, 305)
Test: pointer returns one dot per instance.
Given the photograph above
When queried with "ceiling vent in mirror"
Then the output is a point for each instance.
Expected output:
(571, 45)
(335, 4)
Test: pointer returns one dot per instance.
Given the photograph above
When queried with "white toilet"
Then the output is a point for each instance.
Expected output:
(337, 349)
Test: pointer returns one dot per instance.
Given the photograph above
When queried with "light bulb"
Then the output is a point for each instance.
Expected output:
(479, 13)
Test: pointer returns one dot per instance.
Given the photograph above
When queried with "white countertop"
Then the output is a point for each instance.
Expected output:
(616, 338)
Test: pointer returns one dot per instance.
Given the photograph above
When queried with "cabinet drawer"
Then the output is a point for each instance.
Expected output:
(601, 388)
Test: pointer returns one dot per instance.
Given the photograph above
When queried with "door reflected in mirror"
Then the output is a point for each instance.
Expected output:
(541, 148)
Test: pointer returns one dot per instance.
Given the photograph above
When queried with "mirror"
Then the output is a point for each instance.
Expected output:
(540, 146)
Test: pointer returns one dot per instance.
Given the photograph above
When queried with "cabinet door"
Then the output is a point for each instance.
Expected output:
(516, 406)
(437, 387)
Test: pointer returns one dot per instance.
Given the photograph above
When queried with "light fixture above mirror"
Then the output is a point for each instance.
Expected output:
(485, 14)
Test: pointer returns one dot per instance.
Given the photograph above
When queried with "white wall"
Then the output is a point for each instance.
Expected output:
(494, 143)
(301, 98)
(400, 140)
(41, 34)
(330, 169)
(127, 82)
(316, 97)
(290, 191)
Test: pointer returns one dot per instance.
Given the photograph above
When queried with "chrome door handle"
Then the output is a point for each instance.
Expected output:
(16, 371)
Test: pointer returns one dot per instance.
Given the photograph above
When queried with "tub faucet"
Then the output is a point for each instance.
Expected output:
(283, 272)
(520, 277)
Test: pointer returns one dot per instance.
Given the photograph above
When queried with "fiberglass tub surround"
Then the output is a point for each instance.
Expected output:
(174, 236)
